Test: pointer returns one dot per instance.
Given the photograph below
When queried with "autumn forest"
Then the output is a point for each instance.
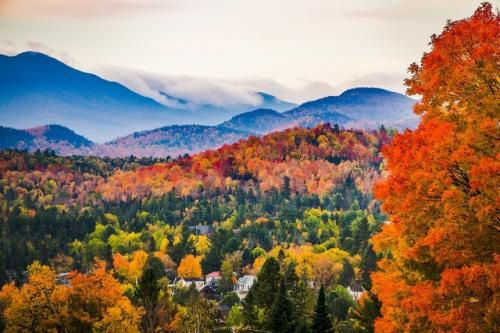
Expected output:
(307, 229)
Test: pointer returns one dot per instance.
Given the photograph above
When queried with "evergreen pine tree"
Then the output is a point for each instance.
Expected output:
(321, 323)
(250, 315)
(281, 259)
(151, 245)
(281, 317)
(362, 234)
(286, 187)
(302, 298)
(267, 285)
(148, 292)
(368, 265)
(347, 273)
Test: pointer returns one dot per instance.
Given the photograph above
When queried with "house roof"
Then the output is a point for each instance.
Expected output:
(215, 274)
(246, 279)
(201, 229)
(208, 288)
(188, 280)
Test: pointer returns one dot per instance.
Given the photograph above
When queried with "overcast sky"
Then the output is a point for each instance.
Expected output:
(306, 48)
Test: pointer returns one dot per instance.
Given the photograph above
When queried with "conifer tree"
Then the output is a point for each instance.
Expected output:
(321, 323)
(368, 265)
(362, 234)
(347, 274)
(250, 313)
(148, 292)
(281, 317)
(301, 297)
(267, 285)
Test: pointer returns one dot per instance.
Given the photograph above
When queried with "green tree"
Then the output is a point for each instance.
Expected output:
(286, 187)
(281, 317)
(361, 233)
(200, 317)
(251, 311)
(235, 319)
(263, 294)
(362, 316)
(368, 265)
(339, 302)
(148, 293)
(322, 322)
(347, 274)
(301, 296)
(268, 284)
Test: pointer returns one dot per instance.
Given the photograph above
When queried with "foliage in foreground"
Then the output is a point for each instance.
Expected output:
(443, 251)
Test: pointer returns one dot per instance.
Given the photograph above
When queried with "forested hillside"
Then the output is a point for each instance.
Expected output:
(301, 196)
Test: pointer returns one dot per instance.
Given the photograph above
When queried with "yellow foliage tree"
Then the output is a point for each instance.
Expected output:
(201, 243)
(190, 267)
(94, 302)
(130, 270)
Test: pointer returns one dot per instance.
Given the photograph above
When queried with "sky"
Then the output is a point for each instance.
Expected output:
(213, 50)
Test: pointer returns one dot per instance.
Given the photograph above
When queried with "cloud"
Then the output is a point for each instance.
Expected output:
(59, 55)
(79, 8)
(196, 90)
(221, 92)
(8, 47)
(227, 93)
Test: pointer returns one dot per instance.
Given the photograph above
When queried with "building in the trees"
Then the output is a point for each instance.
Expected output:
(244, 285)
(355, 290)
(209, 292)
(63, 279)
(186, 283)
(213, 279)
(200, 230)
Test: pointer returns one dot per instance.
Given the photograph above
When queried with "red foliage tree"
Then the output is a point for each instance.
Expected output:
(442, 190)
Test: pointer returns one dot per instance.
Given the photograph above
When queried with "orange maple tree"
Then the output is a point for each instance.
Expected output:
(441, 194)
(190, 267)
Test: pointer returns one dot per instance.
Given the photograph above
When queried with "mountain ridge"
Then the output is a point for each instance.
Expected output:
(37, 89)
(55, 137)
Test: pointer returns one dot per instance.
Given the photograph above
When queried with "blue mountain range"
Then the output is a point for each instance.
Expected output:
(36, 89)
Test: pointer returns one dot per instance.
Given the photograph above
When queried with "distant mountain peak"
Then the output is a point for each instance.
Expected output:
(272, 102)
(366, 90)
(258, 112)
(38, 89)
(364, 106)
(59, 138)
(26, 54)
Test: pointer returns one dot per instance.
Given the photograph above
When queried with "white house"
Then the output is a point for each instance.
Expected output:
(245, 283)
(186, 283)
